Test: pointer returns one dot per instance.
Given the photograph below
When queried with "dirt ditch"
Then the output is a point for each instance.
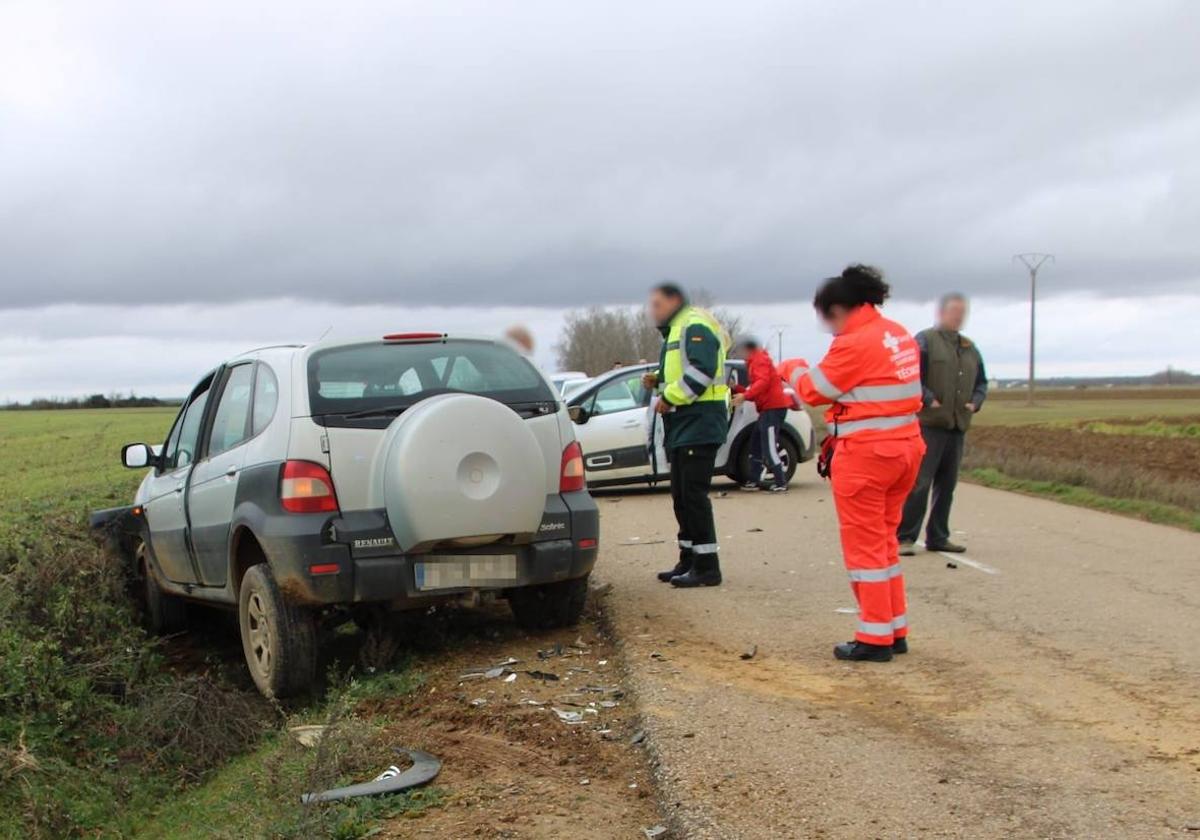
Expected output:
(1171, 459)
(540, 747)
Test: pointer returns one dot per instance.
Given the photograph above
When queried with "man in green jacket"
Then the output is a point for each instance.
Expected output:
(955, 386)
(693, 404)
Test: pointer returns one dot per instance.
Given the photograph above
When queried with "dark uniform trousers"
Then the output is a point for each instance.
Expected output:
(939, 472)
(691, 479)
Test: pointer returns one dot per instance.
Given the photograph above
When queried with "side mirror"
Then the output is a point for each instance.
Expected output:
(579, 415)
(138, 456)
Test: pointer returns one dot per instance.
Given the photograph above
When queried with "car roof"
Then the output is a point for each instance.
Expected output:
(325, 344)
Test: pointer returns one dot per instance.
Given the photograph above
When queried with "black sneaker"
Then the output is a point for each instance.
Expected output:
(779, 488)
(857, 651)
(681, 568)
(900, 645)
(751, 486)
(952, 548)
(696, 578)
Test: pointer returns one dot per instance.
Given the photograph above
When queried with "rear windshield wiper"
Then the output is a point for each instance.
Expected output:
(376, 412)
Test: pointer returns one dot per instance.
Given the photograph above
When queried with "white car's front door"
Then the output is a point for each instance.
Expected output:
(614, 436)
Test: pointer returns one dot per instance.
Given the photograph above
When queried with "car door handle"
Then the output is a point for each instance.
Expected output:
(632, 424)
(231, 472)
(179, 488)
(600, 461)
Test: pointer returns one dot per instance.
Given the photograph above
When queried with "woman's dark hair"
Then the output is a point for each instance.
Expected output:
(857, 285)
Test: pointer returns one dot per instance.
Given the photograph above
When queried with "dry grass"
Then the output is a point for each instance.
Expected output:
(1117, 481)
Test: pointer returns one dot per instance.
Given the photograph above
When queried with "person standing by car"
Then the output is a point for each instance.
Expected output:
(694, 407)
(870, 378)
(954, 386)
(766, 392)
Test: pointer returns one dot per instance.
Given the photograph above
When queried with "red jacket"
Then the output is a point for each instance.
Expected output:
(766, 388)
(871, 379)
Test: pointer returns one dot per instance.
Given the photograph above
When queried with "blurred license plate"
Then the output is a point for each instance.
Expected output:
(473, 570)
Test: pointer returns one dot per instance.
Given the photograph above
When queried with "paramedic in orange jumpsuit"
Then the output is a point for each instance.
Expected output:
(871, 380)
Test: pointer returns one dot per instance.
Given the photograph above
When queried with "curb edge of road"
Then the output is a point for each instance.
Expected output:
(674, 818)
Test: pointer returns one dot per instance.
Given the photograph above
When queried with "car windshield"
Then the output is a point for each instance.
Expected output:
(389, 376)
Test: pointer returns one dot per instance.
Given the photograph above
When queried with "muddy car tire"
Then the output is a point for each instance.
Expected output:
(279, 638)
(549, 605)
(162, 613)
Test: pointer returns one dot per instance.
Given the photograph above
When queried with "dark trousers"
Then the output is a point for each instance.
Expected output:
(766, 439)
(939, 472)
(691, 478)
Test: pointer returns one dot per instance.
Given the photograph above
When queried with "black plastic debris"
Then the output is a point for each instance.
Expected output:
(950, 564)
(544, 676)
(424, 769)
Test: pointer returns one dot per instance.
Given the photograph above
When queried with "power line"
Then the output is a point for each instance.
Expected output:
(1032, 261)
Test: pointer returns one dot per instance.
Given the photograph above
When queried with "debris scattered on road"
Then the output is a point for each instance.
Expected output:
(479, 701)
(392, 780)
(654, 832)
(950, 564)
(308, 736)
(658, 656)
(638, 541)
(601, 590)
(638, 737)
(557, 650)
(847, 610)
(750, 652)
(569, 718)
(511, 677)
(544, 676)
(754, 530)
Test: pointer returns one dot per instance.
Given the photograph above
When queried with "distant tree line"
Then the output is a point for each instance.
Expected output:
(597, 339)
(93, 401)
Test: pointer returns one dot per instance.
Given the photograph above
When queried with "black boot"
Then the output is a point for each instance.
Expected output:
(681, 568)
(857, 651)
(900, 645)
(705, 572)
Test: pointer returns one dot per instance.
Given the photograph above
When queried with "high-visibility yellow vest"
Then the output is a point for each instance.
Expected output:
(675, 363)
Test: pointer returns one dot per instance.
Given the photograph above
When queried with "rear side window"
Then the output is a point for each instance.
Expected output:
(230, 426)
(391, 377)
(266, 397)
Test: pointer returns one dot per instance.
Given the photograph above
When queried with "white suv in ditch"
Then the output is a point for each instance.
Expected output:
(391, 473)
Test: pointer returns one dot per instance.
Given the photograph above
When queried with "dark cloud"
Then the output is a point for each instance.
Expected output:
(561, 153)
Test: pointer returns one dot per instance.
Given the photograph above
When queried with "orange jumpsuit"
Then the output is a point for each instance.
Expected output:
(871, 380)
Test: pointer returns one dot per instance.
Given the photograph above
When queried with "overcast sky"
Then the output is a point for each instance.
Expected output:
(179, 181)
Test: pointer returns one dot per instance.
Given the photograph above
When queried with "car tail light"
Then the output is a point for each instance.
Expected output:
(570, 477)
(306, 488)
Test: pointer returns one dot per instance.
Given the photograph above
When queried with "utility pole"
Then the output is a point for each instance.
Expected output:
(1032, 261)
(779, 330)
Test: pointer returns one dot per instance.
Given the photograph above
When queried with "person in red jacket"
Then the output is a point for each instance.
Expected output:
(766, 392)
(871, 381)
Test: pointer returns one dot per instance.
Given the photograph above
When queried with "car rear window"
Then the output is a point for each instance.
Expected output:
(384, 376)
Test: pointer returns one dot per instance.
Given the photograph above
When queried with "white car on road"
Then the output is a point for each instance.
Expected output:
(614, 427)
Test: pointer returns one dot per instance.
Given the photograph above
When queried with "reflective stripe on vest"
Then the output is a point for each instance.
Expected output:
(676, 366)
(881, 393)
(849, 427)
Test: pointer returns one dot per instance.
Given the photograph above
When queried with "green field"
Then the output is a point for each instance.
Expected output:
(1135, 452)
(1070, 406)
(105, 731)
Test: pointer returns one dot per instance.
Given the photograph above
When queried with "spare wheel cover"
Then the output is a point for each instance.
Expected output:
(460, 465)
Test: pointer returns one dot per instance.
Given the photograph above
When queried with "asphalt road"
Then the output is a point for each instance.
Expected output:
(1053, 688)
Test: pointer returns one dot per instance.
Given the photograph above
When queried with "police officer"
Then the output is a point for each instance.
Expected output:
(694, 406)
